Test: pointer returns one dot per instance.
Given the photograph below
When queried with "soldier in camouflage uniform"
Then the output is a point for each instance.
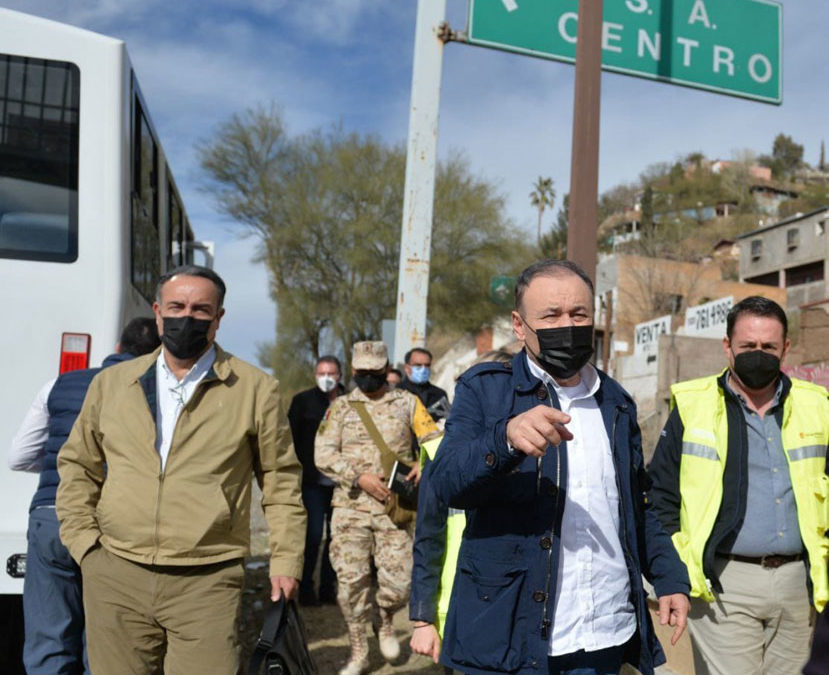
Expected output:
(360, 529)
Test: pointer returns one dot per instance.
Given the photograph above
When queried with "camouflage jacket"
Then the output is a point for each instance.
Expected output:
(343, 448)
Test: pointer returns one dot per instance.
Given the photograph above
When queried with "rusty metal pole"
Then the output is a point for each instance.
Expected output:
(584, 162)
(419, 190)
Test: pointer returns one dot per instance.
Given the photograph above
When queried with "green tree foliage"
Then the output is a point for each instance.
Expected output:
(647, 208)
(737, 180)
(553, 244)
(326, 211)
(620, 198)
(542, 196)
(786, 157)
(813, 196)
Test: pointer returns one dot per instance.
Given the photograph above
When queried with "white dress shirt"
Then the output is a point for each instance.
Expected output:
(173, 394)
(592, 603)
(28, 444)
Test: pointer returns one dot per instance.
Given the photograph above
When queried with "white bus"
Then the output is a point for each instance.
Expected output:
(90, 217)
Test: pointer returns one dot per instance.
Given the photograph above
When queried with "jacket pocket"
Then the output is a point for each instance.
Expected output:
(232, 494)
(488, 624)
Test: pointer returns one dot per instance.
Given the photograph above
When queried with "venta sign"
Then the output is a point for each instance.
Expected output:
(646, 334)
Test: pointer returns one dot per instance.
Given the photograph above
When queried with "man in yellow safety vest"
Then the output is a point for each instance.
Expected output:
(739, 481)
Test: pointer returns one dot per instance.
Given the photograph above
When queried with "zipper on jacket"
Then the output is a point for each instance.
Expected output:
(623, 525)
(163, 469)
(545, 620)
(157, 515)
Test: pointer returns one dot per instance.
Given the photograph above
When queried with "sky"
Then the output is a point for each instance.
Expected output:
(348, 62)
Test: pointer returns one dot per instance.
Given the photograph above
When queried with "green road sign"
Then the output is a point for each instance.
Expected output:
(727, 46)
(502, 290)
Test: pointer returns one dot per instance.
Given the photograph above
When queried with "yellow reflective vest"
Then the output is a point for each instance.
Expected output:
(805, 434)
(455, 525)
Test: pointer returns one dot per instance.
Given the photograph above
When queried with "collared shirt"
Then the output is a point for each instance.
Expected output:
(770, 526)
(592, 604)
(173, 394)
(28, 444)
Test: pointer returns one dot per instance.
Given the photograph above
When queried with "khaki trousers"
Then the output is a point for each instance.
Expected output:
(759, 624)
(149, 619)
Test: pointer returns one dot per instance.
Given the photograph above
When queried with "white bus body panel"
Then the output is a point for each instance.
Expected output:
(93, 295)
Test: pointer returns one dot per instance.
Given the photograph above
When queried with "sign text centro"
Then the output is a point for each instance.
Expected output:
(708, 320)
(728, 46)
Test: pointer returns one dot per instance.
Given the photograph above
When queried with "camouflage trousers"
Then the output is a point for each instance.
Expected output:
(356, 538)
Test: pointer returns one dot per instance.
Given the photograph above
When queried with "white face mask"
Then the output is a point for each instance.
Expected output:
(326, 382)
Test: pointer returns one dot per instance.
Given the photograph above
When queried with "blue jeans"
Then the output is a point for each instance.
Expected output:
(52, 602)
(317, 499)
(602, 662)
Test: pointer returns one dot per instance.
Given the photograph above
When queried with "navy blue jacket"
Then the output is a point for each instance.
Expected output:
(64, 404)
(502, 600)
(428, 550)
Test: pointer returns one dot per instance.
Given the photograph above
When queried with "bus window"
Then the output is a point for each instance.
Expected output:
(175, 234)
(187, 243)
(146, 253)
(39, 105)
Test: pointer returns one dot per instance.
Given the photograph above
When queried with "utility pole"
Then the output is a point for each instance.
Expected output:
(419, 195)
(584, 161)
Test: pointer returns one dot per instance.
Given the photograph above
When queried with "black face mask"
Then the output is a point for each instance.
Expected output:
(756, 369)
(369, 383)
(185, 337)
(564, 351)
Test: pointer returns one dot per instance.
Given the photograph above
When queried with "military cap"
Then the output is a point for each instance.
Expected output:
(369, 356)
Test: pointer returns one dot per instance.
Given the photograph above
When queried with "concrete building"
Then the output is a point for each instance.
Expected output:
(792, 254)
(639, 289)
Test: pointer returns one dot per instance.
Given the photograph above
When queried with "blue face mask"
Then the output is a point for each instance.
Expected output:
(420, 374)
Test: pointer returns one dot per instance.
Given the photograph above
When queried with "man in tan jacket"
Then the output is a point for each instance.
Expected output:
(154, 498)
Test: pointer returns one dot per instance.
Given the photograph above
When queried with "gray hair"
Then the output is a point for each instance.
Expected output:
(549, 268)
(193, 271)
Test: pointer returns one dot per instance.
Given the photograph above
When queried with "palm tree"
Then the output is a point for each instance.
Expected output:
(542, 196)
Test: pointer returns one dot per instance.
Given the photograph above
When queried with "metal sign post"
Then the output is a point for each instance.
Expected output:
(584, 156)
(419, 195)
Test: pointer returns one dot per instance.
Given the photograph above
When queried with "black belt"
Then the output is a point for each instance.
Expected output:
(768, 561)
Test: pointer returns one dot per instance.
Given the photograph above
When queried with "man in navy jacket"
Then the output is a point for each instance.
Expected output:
(52, 594)
(545, 456)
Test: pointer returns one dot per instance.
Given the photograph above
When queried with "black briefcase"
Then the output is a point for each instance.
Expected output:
(283, 646)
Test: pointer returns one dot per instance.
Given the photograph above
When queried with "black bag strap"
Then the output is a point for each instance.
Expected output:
(274, 618)
(283, 644)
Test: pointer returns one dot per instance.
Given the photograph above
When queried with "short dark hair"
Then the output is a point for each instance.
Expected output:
(548, 268)
(330, 358)
(756, 305)
(408, 357)
(395, 371)
(193, 271)
(139, 337)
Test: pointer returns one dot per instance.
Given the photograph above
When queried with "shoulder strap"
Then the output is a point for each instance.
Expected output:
(267, 638)
(388, 458)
